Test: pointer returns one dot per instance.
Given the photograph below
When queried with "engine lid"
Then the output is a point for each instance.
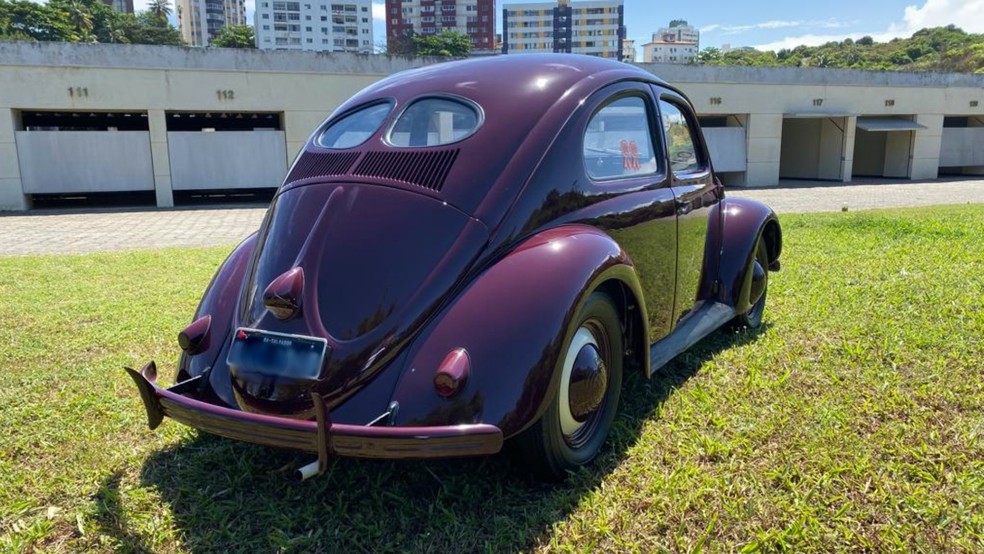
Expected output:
(376, 262)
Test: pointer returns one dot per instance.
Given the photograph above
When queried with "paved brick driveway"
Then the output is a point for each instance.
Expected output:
(120, 229)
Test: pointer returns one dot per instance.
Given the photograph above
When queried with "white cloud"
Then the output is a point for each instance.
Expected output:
(817, 40)
(966, 14)
(379, 11)
(775, 24)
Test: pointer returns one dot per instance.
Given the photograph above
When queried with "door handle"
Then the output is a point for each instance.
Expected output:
(684, 207)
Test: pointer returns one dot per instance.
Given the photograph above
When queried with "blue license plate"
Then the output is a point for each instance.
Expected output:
(279, 354)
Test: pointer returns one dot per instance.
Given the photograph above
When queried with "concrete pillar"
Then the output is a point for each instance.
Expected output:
(764, 142)
(847, 154)
(926, 146)
(161, 158)
(12, 195)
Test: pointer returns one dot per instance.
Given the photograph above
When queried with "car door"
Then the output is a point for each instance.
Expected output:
(625, 163)
(696, 193)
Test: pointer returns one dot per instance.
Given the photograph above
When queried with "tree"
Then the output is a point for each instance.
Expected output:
(447, 44)
(148, 28)
(708, 55)
(116, 32)
(80, 19)
(84, 20)
(160, 9)
(235, 36)
(401, 45)
(23, 20)
(936, 49)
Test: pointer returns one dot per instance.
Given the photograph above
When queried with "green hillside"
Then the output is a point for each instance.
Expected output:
(947, 49)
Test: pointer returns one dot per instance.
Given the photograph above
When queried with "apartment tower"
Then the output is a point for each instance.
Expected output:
(475, 18)
(592, 28)
(201, 20)
(319, 25)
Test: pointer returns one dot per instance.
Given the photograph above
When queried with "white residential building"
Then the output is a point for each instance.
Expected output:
(321, 25)
(201, 20)
(660, 51)
(681, 31)
(594, 28)
(678, 43)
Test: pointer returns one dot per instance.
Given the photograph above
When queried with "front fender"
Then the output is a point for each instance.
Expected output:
(745, 220)
(219, 301)
(514, 321)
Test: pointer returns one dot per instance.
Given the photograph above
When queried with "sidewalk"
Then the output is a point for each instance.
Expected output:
(865, 194)
(76, 232)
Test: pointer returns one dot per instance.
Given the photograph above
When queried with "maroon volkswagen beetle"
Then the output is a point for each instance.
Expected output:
(468, 253)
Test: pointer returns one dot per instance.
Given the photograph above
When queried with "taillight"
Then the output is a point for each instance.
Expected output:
(452, 373)
(194, 339)
(283, 296)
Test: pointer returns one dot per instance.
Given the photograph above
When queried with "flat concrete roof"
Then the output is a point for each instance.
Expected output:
(139, 56)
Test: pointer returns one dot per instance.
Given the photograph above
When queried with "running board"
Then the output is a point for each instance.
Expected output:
(698, 325)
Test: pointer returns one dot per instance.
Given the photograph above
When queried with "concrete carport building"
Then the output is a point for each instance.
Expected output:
(163, 123)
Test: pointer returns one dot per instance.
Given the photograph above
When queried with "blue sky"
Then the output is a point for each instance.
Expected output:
(770, 25)
(773, 25)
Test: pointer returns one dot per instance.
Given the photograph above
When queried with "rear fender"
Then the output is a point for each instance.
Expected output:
(219, 301)
(514, 320)
(745, 220)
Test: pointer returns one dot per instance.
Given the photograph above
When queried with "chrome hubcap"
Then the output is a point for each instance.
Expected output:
(582, 387)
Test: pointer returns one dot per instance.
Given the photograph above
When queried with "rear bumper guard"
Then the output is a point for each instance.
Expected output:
(321, 436)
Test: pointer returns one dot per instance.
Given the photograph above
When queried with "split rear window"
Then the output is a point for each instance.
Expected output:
(356, 127)
(434, 122)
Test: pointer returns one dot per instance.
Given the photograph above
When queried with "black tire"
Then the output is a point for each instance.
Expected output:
(550, 449)
(752, 319)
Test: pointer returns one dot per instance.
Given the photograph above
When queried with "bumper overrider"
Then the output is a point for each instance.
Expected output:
(321, 436)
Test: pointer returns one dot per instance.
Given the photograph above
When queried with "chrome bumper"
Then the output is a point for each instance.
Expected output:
(321, 436)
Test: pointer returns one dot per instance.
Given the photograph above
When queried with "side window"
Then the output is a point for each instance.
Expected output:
(618, 141)
(680, 139)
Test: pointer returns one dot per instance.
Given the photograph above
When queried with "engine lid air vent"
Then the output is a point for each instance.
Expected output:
(322, 165)
(424, 169)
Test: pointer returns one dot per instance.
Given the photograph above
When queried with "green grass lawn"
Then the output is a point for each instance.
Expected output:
(853, 421)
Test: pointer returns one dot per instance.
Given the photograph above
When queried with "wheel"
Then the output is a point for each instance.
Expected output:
(758, 289)
(576, 423)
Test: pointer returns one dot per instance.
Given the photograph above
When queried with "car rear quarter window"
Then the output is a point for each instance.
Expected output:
(618, 141)
(435, 122)
(355, 128)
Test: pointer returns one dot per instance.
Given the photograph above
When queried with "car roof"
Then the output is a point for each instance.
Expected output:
(515, 75)
(525, 98)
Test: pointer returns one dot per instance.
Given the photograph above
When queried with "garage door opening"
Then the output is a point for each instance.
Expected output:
(727, 145)
(84, 159)
(883, 147)
(225, 156)
(962, 146)
(812, 147)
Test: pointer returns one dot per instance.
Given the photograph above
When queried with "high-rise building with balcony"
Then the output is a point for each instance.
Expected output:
(593, 28)
(475, 18)
(322, 25)
(201, 20)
